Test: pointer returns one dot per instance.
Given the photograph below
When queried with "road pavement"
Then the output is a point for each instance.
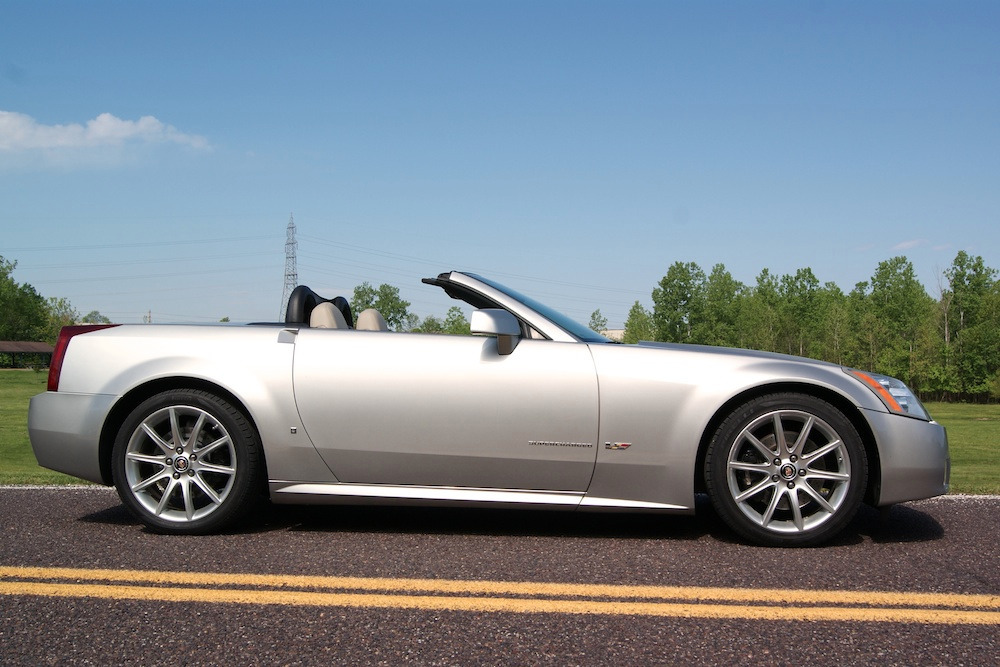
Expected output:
(81, 582)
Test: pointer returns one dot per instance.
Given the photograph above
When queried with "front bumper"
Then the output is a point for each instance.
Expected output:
(913, 455)
(65, 432)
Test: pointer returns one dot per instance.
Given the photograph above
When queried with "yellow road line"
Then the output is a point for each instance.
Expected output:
(936, 608)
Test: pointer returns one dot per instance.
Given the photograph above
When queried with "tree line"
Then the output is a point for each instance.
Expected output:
(945, 349)
(26, 315)
(396, 311)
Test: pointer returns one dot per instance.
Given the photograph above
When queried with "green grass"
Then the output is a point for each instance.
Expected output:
(17, 463)
(974, 442)
(973, 434)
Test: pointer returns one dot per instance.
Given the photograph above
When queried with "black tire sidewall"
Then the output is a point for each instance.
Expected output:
(246, 445)
(716, 469)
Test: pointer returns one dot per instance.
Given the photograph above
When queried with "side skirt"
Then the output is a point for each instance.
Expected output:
(377, 494)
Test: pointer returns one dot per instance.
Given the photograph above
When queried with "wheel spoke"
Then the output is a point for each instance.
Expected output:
(793, 500)
(815, 495)
(207, 490)
(764, 450)
(212, 446)
(779, 434)
(768, 514)
(175, 428)
(155, 437)
(822, 451)
(754, 490)
(803, 436)
(145, 458)
(185, 485)
(192, 440)
(828, 475)
(221, 470)
(149, 481)
(165, 498)
(761, 468)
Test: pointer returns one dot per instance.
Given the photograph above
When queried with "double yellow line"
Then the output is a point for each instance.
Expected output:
(499, 596)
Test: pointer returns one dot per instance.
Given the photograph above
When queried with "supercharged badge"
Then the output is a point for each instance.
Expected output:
(549, 443)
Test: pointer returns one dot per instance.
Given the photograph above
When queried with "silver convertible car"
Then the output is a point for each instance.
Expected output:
(195, 424)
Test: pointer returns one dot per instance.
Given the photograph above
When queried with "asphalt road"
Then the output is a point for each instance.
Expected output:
(82, 583)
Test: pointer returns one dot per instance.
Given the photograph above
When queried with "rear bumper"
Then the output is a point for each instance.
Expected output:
(65, 432)
(914, 458)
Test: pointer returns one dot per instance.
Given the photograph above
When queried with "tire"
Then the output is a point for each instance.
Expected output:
(187, 462)
(786, 470)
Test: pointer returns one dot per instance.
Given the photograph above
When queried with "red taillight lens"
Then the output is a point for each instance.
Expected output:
(55, 366)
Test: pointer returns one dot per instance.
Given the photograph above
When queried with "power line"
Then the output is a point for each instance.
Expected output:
(148, 244)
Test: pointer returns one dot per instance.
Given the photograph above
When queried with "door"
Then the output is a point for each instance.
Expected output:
(436, 410)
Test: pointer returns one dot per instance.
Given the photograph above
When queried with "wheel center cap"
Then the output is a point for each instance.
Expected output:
(181, 464)
(788, 471)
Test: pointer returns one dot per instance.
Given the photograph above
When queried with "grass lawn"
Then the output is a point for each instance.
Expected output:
(974, 443)
(973, 434)
(17, 463)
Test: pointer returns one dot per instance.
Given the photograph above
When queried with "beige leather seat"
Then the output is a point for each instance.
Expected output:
(327, 316)
(371, 320)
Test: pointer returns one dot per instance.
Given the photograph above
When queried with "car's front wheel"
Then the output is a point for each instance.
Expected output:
(786, 470)
(187, 461)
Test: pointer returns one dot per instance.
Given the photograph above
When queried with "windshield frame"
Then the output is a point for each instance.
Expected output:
(569, 325)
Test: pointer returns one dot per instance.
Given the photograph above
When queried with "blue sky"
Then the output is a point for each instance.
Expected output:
(152, 152)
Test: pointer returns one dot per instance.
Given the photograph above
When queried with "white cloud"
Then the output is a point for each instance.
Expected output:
(20, 132)
(909, 245)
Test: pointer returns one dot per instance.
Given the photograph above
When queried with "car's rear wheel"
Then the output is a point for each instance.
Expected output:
(187, 461)
(786, 470)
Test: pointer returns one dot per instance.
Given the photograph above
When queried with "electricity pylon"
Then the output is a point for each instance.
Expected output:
(291, 270)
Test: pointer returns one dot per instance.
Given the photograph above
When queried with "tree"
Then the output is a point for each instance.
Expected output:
(23, 314)
(892, 321)
(61, 313)
(387, 301)
(867, 331)
(455, 322)
(638, 325)
(834, 324)
(888, 324)
(798, 312)
(723, 294)
(903, 303)
(678, 302)
(94, 317)
(757, 318)
(598, 322)
(971, 326)
(430, 324)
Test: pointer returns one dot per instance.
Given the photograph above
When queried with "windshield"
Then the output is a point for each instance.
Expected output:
(573, 327)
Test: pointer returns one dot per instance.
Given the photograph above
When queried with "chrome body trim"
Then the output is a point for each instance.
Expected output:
(293, 492)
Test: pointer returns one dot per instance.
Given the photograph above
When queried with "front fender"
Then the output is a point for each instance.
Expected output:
(660, 401)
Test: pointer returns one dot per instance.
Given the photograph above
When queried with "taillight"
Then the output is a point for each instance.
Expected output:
(55, 366)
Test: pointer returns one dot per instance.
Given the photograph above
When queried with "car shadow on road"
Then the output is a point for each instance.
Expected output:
(480, 521)
(900, 524)
(895, 525)
(116, 515)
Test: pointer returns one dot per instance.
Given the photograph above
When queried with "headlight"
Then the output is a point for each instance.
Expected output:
(896, 395)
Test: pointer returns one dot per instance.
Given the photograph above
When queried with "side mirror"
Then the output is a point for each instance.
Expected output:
(499, 323)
